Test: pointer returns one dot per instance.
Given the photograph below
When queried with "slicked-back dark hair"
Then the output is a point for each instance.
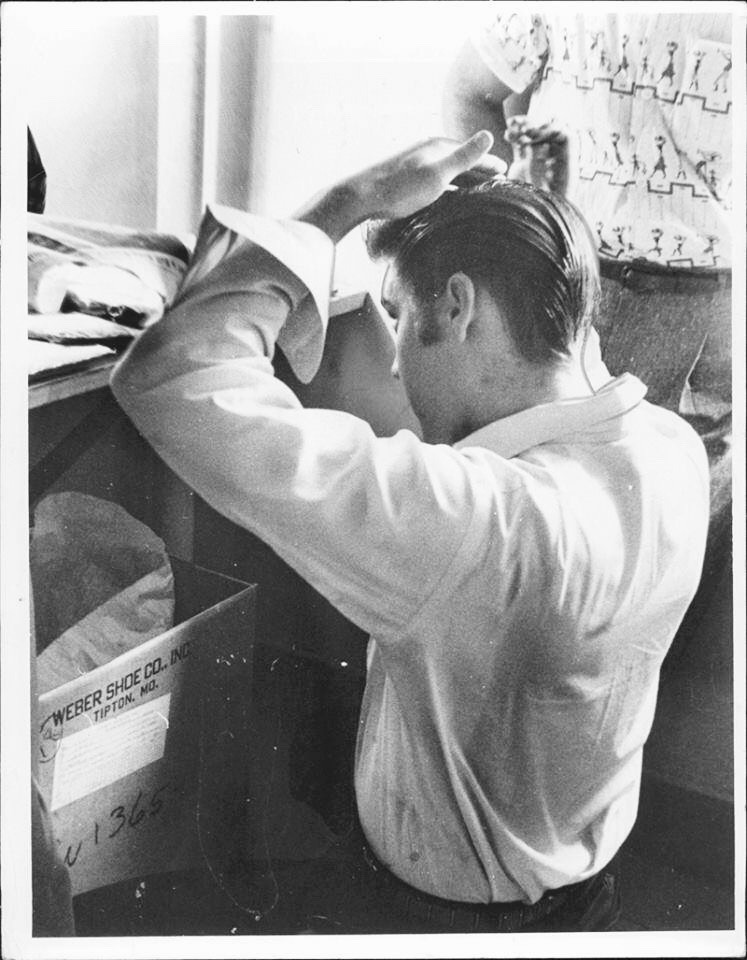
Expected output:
(531, 249)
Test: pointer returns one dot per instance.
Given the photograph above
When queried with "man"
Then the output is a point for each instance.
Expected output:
(521, 570)
(646, 102)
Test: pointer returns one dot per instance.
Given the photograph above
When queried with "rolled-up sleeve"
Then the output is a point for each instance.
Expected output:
(513, 46)
(372, 523)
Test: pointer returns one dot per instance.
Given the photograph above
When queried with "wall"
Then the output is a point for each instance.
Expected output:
(141, 120)
(92, 107)
(347, 89)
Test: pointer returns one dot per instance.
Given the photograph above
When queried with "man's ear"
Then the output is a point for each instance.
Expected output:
(458, 306)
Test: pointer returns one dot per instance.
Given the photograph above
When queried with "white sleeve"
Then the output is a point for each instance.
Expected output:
(373, 524)
(513, 46)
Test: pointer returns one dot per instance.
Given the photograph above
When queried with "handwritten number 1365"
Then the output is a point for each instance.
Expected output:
(137, 814)
(119, 817)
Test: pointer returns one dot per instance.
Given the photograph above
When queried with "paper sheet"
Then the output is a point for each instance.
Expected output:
(104, 752)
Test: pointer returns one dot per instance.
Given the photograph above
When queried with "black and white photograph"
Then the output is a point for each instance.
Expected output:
(372, 463)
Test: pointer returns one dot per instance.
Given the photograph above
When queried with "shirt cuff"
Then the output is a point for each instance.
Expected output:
(305, 250)
(507, 59)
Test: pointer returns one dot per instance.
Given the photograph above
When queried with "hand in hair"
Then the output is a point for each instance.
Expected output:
(419, 175)
(407, 182)
(541, 155)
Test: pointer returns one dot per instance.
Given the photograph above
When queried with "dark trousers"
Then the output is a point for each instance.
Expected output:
(357, 895)
(672, 329)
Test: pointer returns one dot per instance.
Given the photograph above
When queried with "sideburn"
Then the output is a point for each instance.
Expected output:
(429, 329)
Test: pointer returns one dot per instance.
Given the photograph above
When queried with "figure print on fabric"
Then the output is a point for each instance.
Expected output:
(598, 44)
(705, 169)
(603, 245)
(637, 165)
(593, 142)
(645, 68)
(653, 150)
(615, 140)
(566, 51)
(624, 246)
(710, 248)
(624, 65)
(656, 234)
(699, 55)
(661, 165)
(681, 163)
(722, 80)
(668, 71)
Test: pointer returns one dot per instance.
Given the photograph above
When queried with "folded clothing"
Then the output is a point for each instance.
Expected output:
(76, 328)
(118, 273)
(45, 359)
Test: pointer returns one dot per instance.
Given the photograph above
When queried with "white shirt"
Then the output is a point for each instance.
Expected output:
(520, 588)
(648, 97)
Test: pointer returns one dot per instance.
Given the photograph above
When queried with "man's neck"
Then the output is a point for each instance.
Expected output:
(501, 397)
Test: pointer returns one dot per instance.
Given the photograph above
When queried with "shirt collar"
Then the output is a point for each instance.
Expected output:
(599, 416)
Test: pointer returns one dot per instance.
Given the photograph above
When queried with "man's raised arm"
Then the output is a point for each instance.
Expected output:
(402, 184)
(347, 510)
(474, 98)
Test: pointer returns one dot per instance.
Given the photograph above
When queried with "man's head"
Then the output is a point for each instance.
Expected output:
(493, 288)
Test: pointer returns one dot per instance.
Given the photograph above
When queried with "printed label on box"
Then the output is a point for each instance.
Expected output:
(105, 752)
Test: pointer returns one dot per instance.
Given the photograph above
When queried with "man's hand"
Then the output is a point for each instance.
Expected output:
(403, 184)
(418, 176)
(541, 155)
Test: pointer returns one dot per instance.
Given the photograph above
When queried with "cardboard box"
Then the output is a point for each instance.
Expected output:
(144, 762)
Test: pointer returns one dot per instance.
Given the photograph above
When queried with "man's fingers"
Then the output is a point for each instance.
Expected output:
(486, 169)
(467, 154)
(515, 128)
(490, 165)
(545, 134)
